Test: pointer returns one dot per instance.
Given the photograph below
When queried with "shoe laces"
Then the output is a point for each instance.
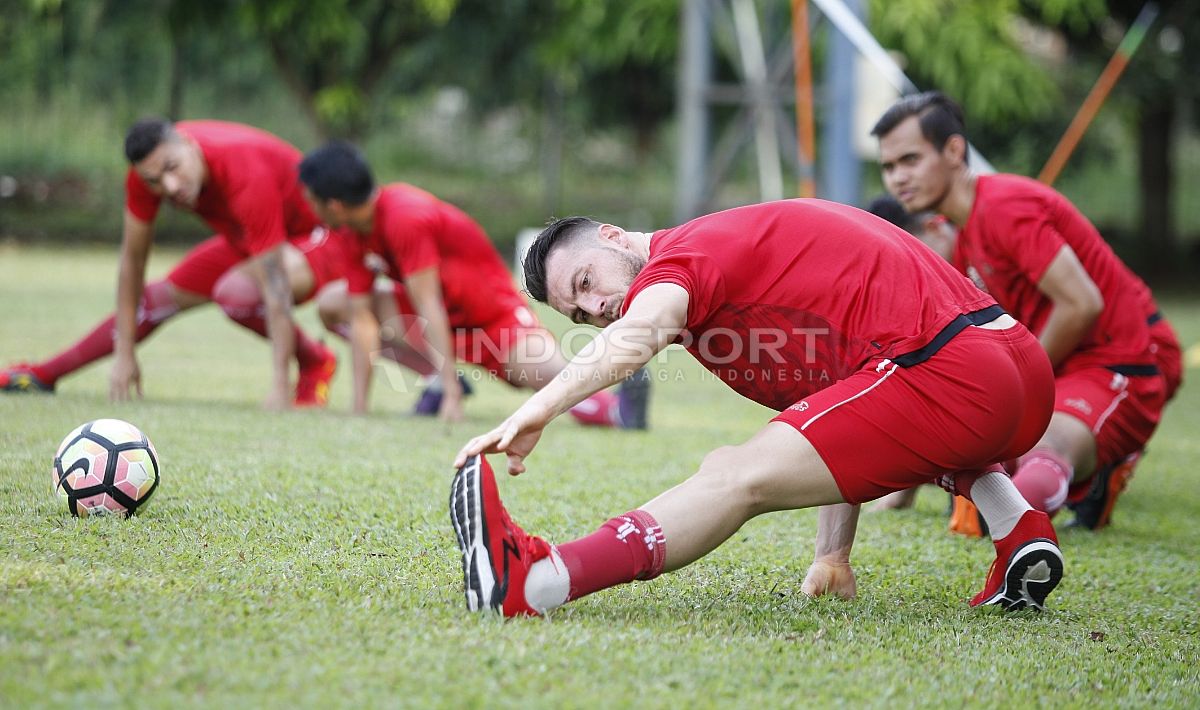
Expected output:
(532, 547)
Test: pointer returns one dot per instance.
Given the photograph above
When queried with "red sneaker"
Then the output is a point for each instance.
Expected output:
(1094, 506)
(312, 387)
(1028, 566)
(496, 552)
(22, 377)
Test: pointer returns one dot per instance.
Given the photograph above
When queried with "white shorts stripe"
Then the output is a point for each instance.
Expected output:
(850, 399)
(1111, 408)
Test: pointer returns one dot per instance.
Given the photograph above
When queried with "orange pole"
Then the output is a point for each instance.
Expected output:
(802, 60)
(1097, 96)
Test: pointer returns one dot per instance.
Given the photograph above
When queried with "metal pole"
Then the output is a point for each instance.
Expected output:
(754, 66)
(841, 170)
(849, 25)
(802, 59)
(695, 72)
(1099, 93)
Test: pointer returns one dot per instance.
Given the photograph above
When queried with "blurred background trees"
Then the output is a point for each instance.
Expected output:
(524, 108)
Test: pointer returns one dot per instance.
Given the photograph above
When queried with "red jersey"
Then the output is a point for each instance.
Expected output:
(252, 196)
(413, 230)
(1016, 228)
(786, 298)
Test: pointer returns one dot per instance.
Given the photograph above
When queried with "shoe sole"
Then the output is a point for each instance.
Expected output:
(1034, 570)
(470, 527)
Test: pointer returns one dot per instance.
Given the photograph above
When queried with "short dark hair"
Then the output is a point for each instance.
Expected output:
(146, 135)
(558, 233)
(889, 208)
(937, 114)
(338, 171)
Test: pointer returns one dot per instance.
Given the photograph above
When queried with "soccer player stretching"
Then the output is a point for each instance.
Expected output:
(269, 254)
(887, 367)
(1047, 265)
(450, 299)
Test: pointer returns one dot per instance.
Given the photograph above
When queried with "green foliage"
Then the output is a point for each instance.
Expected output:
(1071, 15)
(598, 36)
(333, 54)
(305, 559)
(967, 49)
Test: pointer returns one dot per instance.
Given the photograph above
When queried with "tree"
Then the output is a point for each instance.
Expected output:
(1160, 81)
(614, 61)
(969, 50)
(333, 54)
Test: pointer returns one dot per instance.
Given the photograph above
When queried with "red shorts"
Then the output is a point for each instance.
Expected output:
(985, 397)
(326, 253)
(484, 344)
(201, 268)
(1167, 353)
(1121, 411)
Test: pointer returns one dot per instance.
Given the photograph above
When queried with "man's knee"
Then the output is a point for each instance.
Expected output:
(737, 475)
(1071, 438)
(158, 302)
(333, 304)
(237, 295)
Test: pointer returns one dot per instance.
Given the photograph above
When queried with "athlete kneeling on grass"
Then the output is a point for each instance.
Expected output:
(889, 369)
(269, 254)
(446, 273)
(1116, 360)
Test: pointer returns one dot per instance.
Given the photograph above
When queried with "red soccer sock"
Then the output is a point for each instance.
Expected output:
(1043, 478)
(156, 306)
(628, 547)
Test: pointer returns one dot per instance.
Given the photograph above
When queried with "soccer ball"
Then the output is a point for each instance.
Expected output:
(105, 467)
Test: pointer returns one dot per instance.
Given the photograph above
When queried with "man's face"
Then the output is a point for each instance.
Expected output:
(326, 210)
(174, 170)
(587, 281)
(914, 172)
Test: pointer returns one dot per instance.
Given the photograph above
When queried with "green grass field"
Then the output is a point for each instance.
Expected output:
(307, 559)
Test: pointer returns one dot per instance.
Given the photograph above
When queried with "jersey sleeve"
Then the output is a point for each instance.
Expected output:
(694, 272)
(1023, 227)
(140, 202)
(256, 203)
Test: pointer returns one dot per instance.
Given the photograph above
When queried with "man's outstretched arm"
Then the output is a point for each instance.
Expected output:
(136, 239)
(267, 269)
(654, 320)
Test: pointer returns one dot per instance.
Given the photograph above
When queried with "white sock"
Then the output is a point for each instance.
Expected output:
(999, 502)
(547, 584)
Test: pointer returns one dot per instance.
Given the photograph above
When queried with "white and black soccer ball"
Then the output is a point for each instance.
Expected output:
(105, 467)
